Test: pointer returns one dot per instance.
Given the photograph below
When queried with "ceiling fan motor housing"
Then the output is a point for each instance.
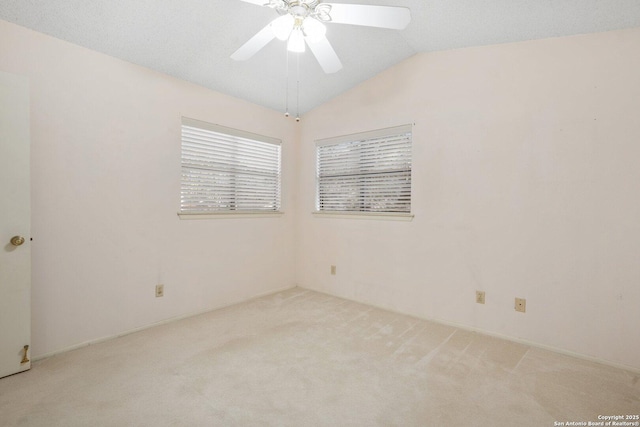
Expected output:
(302, 9)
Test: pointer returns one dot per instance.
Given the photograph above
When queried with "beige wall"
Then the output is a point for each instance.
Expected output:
(526, 183)
(106, 180)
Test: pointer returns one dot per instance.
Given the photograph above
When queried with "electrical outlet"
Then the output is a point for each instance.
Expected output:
(159, 291)
(333, 270)
(521, 305)
(480, 297)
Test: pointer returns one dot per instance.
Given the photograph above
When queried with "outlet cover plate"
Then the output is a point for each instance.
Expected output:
(159, 291)
(521, 305)
(480, 297)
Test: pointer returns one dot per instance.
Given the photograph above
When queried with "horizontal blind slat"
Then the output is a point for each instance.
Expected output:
(365, 174)
(223, 172)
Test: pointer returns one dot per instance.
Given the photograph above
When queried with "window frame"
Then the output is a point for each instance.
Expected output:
(230, 212)
(363, 137)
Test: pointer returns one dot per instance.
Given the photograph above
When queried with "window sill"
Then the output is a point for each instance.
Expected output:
(229, 215)
(365, 215)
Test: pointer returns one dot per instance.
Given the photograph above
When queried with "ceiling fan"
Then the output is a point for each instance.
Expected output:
(302, 22)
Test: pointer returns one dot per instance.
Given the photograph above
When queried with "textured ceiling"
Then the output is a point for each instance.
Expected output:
(193, 39)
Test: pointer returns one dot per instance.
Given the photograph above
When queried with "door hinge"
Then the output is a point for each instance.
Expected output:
(25, 359)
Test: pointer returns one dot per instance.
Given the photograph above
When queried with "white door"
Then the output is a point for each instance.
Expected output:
(15, 224)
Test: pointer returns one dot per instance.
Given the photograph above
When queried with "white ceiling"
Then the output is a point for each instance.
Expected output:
(193, 39)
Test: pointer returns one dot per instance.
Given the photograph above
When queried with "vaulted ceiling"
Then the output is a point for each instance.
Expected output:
(193, 39)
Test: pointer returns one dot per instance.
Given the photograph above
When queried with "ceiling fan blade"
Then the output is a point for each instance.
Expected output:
(324, 53)
(395, 18)
(274, 4)
(258, 2)
(255, 43)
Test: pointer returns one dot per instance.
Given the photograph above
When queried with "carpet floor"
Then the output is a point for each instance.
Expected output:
(301, 358)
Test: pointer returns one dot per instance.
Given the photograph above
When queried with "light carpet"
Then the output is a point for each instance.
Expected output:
(301, 358)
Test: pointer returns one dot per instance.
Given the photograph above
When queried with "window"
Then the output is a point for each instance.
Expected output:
(227, 170)
(366, 173)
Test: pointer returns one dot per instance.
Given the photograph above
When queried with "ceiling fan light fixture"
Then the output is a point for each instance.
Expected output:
(314, 29)
(296, 41)
(283, 26)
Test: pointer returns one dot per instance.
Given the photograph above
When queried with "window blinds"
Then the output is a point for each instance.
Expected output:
(368, 172)
(228, 170)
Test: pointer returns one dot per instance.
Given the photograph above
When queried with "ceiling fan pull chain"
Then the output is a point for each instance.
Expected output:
(298, 87)
(286, 101)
